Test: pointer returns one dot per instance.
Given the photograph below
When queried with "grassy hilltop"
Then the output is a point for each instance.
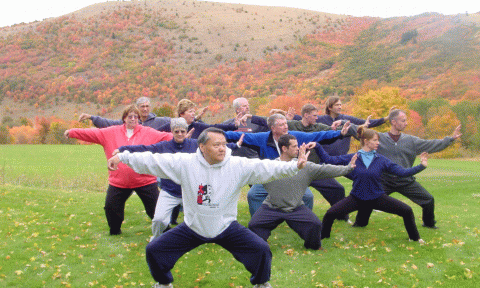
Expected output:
(103, 57)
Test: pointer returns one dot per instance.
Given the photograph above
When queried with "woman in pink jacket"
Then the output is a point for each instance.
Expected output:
(124, 181)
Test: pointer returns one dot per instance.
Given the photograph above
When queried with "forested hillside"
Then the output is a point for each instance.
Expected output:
(105, 56)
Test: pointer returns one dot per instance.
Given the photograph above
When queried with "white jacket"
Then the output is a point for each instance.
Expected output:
(210, 192)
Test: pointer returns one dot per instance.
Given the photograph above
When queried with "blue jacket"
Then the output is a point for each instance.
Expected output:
(265, 145)
(188, 146)
(342, 146)
(366, 184)
(151, 121)
(250, 127)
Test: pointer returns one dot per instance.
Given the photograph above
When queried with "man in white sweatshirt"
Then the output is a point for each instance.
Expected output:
(211, 180)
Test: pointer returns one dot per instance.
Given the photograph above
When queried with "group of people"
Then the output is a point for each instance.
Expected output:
(203, 167)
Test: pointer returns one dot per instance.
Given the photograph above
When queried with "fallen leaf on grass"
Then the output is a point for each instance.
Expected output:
(289, 252)
(430, 265)
(468, 273)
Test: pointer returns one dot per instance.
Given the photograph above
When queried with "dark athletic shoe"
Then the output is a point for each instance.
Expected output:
(115, 232)
(431, 227)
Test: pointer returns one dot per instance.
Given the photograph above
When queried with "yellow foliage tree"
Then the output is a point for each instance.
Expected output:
(378, 103)
(441, 125)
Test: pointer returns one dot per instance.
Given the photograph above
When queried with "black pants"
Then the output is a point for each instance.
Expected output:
(332, 191)
(115, 203)
(252, 251)
(365, 207)
(413, 191)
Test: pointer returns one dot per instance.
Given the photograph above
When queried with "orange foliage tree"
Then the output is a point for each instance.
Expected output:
(285, 102)
(24, 134)
(415, 125)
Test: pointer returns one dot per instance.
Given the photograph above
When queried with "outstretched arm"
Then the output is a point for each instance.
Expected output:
(335, 160)
(395, 169)
(101, 122)
(161, 165)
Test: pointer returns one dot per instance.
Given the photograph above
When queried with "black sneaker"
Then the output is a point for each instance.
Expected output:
(431, 227)
(115, 232)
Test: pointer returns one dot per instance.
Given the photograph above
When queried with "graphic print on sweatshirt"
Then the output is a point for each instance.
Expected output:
(204, 196)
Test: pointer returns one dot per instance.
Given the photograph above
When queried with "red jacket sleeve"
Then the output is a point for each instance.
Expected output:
(93, 135)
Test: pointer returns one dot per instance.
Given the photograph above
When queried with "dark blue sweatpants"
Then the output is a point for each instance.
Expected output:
(302, 220)
(252, 251)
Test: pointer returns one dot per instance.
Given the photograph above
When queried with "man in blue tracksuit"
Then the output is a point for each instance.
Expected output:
(266, 144)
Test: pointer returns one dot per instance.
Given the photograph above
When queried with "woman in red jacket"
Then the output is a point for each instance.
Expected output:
(124, 181)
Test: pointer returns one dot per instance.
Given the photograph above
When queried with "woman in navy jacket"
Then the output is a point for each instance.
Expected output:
(367, 193)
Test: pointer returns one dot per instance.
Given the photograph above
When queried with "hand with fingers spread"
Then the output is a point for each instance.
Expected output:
(190, 133)
(302, 156)
(367, 122)
(290, 113)
(457, 133)
(353, 160)
(424, 159)
(201, 112)
(345, 128)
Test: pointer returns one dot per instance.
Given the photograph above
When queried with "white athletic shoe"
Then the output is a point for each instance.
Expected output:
(158, 285)
(420, 241)
(264, 285)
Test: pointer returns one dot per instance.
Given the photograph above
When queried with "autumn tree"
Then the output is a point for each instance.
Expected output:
(285, 102)
(441, 125)
(23, 134)
(378, 103)
(5, 137)
(42, 125)
(165, 110)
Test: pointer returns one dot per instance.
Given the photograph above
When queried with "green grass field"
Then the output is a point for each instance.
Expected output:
(53, 233)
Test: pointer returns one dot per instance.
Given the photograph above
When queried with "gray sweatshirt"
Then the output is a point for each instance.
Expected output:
(286, 194)
(407, 148)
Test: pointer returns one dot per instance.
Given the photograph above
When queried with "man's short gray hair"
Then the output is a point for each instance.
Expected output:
(178, 123)
(236, 103)
(203, 138)
(272, 119)
(142, 100)
(394, 114)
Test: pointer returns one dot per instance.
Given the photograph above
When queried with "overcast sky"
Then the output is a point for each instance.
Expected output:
(18, 11)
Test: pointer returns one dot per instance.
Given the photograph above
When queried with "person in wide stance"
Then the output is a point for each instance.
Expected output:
(211, 180)
(124, 181)
(367, 193)
(284, 200)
